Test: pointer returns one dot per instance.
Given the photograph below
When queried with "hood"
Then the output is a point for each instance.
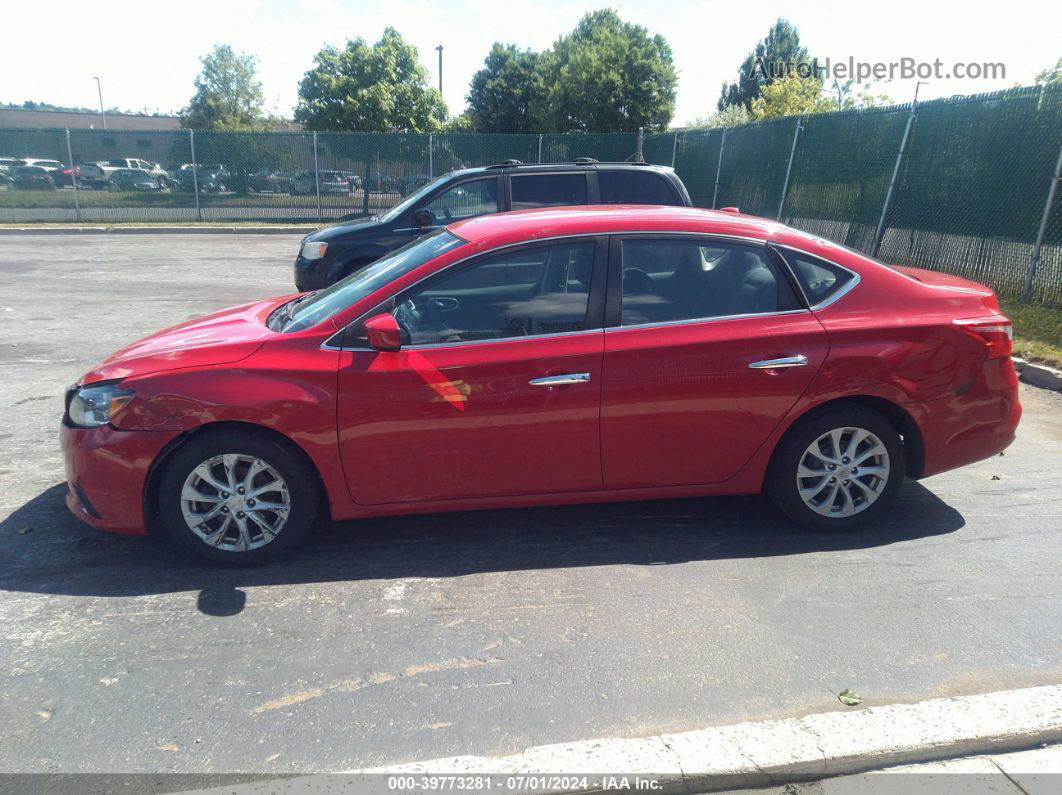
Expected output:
(339, 230)
(218, 338)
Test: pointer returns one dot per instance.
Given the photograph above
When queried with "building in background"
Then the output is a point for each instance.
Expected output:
(83, 120)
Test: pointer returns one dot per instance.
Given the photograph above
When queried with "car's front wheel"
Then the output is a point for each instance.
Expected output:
(837, 469)
(237, 498)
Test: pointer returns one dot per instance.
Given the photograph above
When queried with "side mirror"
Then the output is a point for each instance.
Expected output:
(383, 332)
(423, 218)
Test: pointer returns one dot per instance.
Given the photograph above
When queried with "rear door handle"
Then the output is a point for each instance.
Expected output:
(561, 380)
(775, 364)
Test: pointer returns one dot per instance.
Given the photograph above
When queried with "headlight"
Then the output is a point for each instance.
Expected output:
(94, 405)
(314, 250)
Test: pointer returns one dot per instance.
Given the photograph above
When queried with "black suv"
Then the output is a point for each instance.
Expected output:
(334, 252)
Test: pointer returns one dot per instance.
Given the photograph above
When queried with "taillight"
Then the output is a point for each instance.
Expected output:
(995, 332)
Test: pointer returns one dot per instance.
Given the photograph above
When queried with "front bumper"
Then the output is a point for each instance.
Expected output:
(312, 274)
(106, 471)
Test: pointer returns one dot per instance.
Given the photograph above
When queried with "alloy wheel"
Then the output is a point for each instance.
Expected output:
(843, 472)
(235, 502)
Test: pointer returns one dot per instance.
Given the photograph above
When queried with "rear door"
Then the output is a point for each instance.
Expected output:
(707, 347)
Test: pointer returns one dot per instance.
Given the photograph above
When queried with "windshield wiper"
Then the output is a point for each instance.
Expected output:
(286, 312)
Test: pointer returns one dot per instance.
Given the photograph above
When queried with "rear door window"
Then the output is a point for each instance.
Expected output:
(819, 279)
(634, 187)
(667, 280)
(548, 190)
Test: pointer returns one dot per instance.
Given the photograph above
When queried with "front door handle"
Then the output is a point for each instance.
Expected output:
(775, 364)
(561, 380)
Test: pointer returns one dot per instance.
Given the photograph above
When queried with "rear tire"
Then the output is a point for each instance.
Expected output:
(237, 498)
(837, 470)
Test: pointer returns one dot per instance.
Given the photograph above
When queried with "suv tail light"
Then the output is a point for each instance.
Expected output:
(996, 332)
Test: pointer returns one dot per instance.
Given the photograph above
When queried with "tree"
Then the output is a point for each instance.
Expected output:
(848, 98)
(780, 53)
(790, 96)
(228, 96)
(606, 76)
(501, 94)
(730, 116)
(1050, 75)
(370, 88)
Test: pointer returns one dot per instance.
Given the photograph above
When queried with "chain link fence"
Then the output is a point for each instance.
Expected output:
(963, 185)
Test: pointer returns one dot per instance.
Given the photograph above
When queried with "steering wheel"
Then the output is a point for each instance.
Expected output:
(435, 315)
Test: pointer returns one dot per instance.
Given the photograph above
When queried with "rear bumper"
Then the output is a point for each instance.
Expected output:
(976, 425)
(106, 470)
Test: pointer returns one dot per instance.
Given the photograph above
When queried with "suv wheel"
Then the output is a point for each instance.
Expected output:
(837, 470)
(237, 498)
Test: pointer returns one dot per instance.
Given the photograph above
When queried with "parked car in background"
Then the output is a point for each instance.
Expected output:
(415, 182)
(64, 177)
(9, 164)
(133, 179)
(332, 183)
(211, 178)
(624, 354)
(33, 178)
(383, 183)
(98, 174)
(45, 163)
(333, 252)
(268, 181)
(353, 180)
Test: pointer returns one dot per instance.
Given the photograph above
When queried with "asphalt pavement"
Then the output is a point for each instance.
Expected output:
(393, 640)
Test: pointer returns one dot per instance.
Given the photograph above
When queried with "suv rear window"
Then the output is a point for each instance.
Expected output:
(634, 187)
(548, 190)
(818, 278)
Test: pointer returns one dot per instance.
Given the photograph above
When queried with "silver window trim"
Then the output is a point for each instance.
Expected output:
(836, 296)
(689, 321)
(327, 344)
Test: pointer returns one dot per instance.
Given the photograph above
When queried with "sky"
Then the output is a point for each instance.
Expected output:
(147, 53)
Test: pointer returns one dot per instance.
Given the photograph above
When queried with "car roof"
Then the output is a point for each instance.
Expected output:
(587, 164)
(528, 225)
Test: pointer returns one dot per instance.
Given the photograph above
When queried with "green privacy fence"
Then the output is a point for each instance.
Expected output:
(967, 194)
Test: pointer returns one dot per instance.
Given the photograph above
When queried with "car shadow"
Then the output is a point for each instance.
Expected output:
(51, 552)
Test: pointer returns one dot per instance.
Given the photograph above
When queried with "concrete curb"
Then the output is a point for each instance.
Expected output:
(793, 750)
(1038, 374)
(157, 230)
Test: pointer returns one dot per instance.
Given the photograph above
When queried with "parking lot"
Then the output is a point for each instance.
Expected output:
(399, 639)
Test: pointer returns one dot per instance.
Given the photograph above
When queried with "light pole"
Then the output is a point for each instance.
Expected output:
(99, 90)
(440, 49)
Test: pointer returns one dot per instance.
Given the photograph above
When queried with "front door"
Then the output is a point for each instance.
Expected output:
(708, 351)
(497, 391)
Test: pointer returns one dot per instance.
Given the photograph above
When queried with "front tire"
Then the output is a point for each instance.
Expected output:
(237, 498)
(837, 470)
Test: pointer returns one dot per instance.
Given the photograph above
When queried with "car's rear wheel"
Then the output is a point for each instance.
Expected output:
(838, 469)
(237, 498)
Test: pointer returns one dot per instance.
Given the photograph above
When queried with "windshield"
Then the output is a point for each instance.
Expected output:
(312, 309)
(411, 199)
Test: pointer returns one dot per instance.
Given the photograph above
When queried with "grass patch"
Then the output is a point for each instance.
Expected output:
(1037, 331)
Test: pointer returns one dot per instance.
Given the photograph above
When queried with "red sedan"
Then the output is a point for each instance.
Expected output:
(548, 357)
